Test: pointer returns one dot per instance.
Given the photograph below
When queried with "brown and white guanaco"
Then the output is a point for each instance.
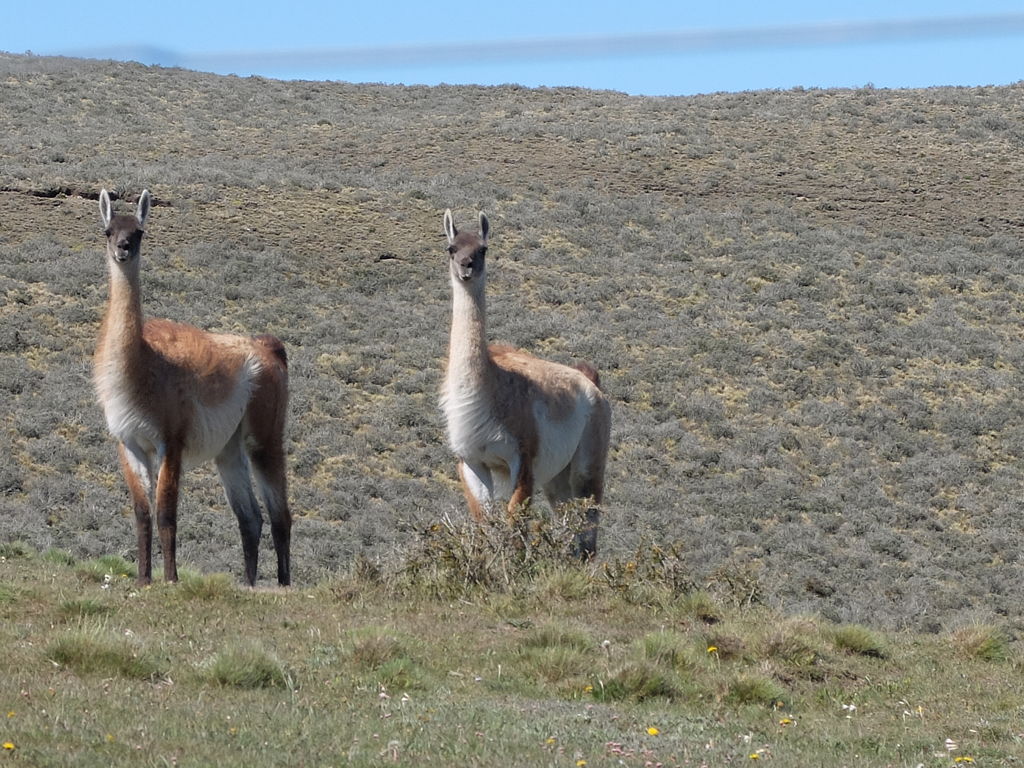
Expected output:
(514, 421)
(174, 395)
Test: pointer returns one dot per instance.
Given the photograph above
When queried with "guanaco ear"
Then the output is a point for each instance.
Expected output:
(449, 226)
(105, 213)
(485, 227)
(143, 210)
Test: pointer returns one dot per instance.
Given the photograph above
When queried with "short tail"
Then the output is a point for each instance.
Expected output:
(274, 345)
(590, 372)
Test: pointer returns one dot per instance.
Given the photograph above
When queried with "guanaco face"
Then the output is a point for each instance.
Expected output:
(124, 232)
(466, 250)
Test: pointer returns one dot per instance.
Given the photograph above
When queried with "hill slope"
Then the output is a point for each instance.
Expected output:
(806, 307)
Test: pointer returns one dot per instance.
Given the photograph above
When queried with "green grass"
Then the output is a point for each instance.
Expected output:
(348, 675)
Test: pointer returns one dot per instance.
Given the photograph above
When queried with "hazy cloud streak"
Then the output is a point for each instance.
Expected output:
(678, 42)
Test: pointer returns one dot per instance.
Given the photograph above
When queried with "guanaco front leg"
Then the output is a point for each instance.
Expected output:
(137, 473)
(167, 511)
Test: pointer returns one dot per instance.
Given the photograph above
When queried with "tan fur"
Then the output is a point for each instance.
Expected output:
(514, 419)
(175, 395)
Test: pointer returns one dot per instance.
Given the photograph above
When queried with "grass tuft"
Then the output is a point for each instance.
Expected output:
(564, 582)
(17, 550)
(373, 648)
(58, 557)
(700, 605)
(726, 645)
(984, 642)
(401, 674)
(455, 556)
(214, 586)
(82, 607)
(554, 664)
(854, 638)
(105, 568)
(96, 650)
(247, 666)
(755, 689)
(792, 643)
(668, 649)
(384, 659)
(557, 636)
(638, 681)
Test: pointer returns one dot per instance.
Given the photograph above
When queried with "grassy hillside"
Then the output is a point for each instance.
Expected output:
(806, 308)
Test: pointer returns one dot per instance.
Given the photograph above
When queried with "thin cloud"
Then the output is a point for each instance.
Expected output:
(659, 43)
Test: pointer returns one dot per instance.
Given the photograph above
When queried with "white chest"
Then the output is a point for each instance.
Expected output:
(473, 433)
(132, 419)
(127, 420)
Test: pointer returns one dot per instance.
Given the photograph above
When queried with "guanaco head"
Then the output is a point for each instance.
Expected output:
(124, 232)
(466, 249)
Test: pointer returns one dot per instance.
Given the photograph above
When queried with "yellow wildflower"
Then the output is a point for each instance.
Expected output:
(652, 731)
(581, 763)
(755, 756)
(963, 759)
(588, 689)
(712, 649)
(785, 721)
(8, 745)
(550, 740)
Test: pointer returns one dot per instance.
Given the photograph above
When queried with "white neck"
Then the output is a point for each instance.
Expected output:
(467, 352)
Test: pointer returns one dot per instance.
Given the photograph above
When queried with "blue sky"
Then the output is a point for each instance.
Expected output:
(490, 43)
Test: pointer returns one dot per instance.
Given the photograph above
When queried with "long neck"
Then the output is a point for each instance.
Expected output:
(121, 332)
(467, 351)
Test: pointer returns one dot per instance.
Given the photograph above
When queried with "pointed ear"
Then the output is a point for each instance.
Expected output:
(449, 226)
(143, 210)
(105, 213)
(485, 227)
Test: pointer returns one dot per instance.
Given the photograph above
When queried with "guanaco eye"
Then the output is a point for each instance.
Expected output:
(106, 232)
(452, 249)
